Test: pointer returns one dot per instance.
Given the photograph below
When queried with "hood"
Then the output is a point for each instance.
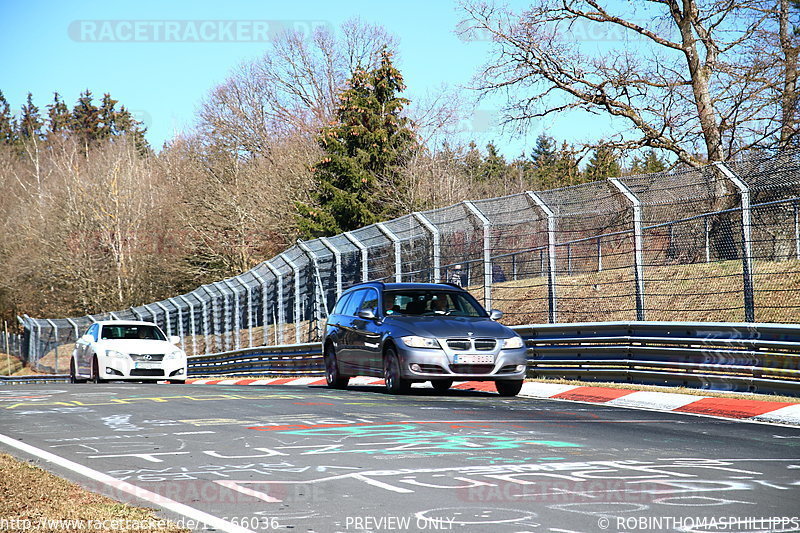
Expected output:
(139, 346)
(447, 326)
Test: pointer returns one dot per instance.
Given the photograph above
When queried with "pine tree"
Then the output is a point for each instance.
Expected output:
(108, 116)
(363, 148)
(543, 172)
(58, 116)
(30, 122)
(494, 166)
(86, 119)
(566, 166)
(649, 164)
(125, 124)
(8, 127)
(603, 164)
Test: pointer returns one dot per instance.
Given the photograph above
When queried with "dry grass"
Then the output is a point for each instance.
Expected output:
(29, 493)
(9, 364)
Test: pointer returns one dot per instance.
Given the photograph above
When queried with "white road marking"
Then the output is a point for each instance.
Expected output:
(133, 490)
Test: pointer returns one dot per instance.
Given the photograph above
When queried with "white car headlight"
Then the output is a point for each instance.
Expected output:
(413, 341)
(115, 354)
(175, 354)
(513, 342)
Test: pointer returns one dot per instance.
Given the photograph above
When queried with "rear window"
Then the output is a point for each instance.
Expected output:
(132, 331)
(431, 303)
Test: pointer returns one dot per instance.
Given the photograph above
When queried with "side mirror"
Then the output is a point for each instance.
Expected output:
(87, 338)
(174, 339)
(495, 314)
(366, 314)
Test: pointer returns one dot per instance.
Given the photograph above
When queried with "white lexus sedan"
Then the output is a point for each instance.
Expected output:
(127, 350)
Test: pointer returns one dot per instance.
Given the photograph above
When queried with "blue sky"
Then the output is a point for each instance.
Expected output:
(164, 83)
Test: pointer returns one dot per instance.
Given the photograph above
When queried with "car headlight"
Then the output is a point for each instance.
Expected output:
(513, 342)
(115, 354)
(413, 341)
(176, 354)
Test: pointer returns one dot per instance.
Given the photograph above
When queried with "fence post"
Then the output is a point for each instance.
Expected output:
(297, 317)
(747, 255)
(75, 328)
(551, 254)
(796, 230)
(179, 315)
(437, 245)
(208, 312)
(708, 243)
(249, 291)
(364, 255)
(599, 254)
(319, 293)
(137, 314)
(487, 253)
(398, 264)
(263, 305)
(192, 329)
(281, 319)
(637, 244)
(153, 315)
(234, 321)
(55, 334)
(167, 321)
(337, 258)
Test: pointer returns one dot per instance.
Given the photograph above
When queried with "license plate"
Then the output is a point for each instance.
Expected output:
(147, 366)
(473, 359)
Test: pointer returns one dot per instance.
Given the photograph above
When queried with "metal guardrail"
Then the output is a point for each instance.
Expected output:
(35, 378)
(721, 356)
(727, 356)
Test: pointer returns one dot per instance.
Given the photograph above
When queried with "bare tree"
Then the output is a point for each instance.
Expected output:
(292, 87)
(680, 73)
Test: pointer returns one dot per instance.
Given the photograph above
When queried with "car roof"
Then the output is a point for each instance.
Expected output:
(124, 323)
(408, 286)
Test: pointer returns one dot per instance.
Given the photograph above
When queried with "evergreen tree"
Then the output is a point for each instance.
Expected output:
(7, 125)
(364, 147)
(473, 160)
(566, 166)
(58, 116)
(543, 173)
(30, 122)
(493, 167)
(108, 117)
(124, 123)
(603, 164)
(86, 118)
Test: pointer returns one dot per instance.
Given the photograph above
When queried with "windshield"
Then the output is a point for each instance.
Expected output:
(431, 303)
(132, 331)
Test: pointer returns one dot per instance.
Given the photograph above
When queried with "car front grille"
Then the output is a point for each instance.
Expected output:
(147, 372)
(472, 369)
(463, 345)
(155, 357)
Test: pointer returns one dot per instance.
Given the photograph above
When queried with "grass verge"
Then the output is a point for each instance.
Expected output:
(30, 496)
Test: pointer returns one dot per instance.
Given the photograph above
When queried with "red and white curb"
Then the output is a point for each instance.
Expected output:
(736, 408)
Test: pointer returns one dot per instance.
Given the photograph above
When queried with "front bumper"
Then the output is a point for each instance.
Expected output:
(114, 368)
(438, 364)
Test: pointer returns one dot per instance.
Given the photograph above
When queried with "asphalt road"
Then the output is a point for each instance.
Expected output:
(308, 459)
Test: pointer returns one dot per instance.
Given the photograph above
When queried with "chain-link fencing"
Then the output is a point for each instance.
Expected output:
(719, 243)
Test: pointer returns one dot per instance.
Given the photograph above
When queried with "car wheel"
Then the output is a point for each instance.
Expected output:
(441, 385)
(177, 381)
(391, 373)
(73, 374)
(508, 387)
(332, 376)
(96, 372)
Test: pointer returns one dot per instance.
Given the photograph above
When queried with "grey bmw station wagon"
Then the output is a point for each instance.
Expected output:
(415, 332)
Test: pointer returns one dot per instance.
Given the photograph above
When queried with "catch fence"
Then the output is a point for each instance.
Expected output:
(720, 243)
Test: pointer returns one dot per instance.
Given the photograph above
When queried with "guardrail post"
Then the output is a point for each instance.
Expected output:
(637, 244)
(297, 317)
(263, 305)
(167, 322)
(337, 258)
(281, 319)
(437, 245)
(551, 254)
(364, 255)
(747, 255)
(487, 253)
(235, 321)
(192, 329)
(398, 264)
(55, 334)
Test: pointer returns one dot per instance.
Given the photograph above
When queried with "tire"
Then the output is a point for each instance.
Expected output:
(391, 373)
(508, 387)
(442, 385)
(332, 376)
(177, 382)
(96, 372)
